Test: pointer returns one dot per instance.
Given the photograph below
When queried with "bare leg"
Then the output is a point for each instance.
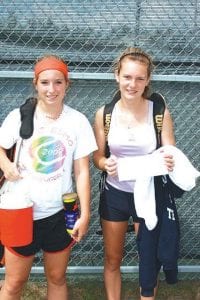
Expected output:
(1, 283)
(147, 298)
(17, 271)
(114, 236)
(55, 270)
(136, 227)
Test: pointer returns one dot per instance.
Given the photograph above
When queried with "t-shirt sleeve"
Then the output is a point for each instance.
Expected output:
(86, 142)
(9, 130)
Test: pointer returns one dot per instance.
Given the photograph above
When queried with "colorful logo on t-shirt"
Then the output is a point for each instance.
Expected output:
(48, 154)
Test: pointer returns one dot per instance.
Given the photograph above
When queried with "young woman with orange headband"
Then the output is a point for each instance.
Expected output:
(61, 142)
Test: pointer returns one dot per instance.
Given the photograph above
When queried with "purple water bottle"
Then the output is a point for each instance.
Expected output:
(70, 201)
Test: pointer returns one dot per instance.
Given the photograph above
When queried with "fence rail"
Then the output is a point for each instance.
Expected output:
(102, 76)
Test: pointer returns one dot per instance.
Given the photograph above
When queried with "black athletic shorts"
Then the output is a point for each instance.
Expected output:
(49, 235)
(117, 205)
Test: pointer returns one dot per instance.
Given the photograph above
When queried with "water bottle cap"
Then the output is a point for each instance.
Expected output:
(70, 196)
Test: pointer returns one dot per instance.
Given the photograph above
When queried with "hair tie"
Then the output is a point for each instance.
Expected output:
(50, 63)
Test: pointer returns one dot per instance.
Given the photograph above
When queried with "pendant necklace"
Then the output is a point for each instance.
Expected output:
(131, 130)
(131, 134)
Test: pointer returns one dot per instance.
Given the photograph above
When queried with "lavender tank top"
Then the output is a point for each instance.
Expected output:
(135, 141)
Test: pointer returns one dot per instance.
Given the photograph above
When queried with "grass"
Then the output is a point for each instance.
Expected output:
(94, 290)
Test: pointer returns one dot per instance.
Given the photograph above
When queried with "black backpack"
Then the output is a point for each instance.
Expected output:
(158, 115)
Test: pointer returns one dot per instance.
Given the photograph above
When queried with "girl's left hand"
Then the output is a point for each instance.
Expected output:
(80, 229)
(169, 162)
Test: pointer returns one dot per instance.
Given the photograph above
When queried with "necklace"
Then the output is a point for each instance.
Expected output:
(51, 116)
(131, 134)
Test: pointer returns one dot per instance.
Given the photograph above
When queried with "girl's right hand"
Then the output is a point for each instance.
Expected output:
(11, 172)
(111, 165)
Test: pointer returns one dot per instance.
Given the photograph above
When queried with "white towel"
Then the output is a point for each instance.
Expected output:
(184, 173)
(145, 204)
(143, 168)
(132, 168)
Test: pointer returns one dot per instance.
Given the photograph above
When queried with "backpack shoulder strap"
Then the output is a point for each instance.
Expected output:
(27, 110)
(107, 113)
(158, 114)
(108, 108)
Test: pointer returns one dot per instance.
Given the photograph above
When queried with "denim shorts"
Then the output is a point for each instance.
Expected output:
(117, 205)
(49, 235)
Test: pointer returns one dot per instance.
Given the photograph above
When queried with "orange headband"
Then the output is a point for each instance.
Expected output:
(50, 63)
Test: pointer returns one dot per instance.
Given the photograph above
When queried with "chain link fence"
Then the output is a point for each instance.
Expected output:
(89, 35)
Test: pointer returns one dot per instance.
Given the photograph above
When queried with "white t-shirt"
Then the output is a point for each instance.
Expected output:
(46, 158)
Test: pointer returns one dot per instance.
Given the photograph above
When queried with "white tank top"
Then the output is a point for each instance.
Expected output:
(135, 141)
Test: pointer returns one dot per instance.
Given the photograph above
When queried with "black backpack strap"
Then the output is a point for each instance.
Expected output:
(27, 112)
(107, 113)
(158, 114)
